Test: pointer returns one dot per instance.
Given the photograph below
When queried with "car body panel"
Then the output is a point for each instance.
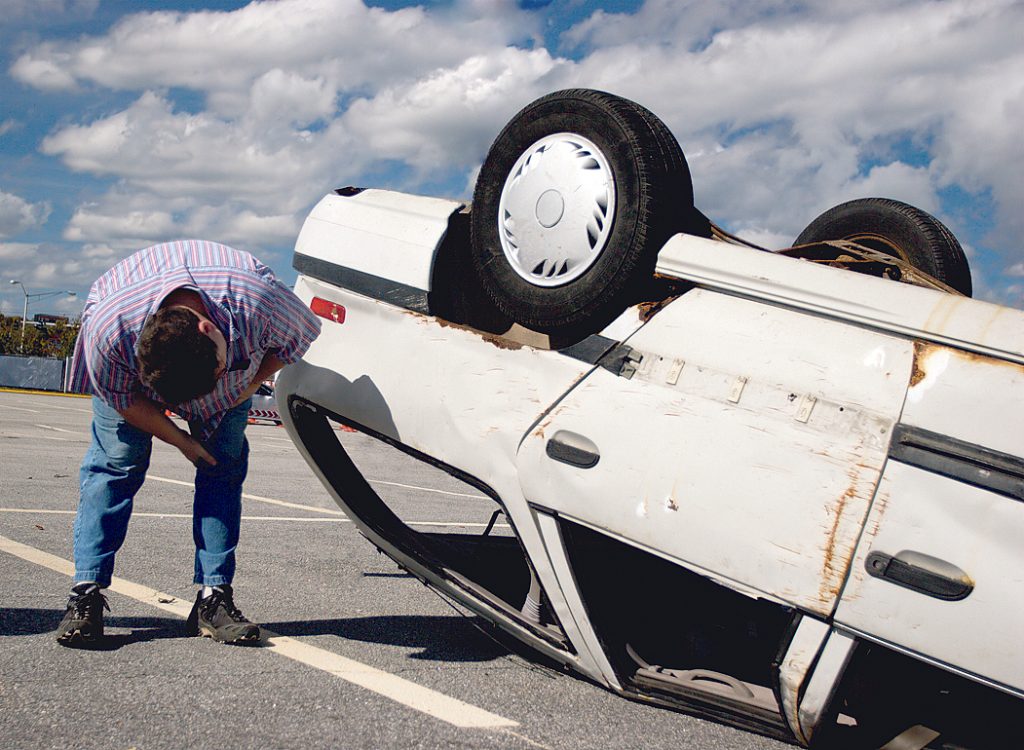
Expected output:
(932, 508)
(769, 423)
(748, 430)
(801, 654)
(384, 234)
(504, 387)
(947, 392)
(927, 314)
(322, 387)
(821, 686)
(977, 531)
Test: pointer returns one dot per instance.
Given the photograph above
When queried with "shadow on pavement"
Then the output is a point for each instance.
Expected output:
(439, 638)
(42, 621)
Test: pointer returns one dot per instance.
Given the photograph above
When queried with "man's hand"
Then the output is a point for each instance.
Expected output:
(150, 417)
(194, 451)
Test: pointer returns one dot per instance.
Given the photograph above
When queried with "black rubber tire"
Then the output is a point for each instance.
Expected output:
(654, 200)
(897, 229)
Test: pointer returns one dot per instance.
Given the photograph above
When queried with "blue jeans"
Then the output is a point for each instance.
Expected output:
(113, 471)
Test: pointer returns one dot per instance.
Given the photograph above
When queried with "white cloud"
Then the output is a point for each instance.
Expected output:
(343, 41)
(791, 100)
(782, 108)
(16, 250)
(88, 226)
(18, 215)
(274, 136)
(447, 119)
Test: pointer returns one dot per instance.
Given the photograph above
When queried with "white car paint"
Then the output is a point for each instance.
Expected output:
(770, 393)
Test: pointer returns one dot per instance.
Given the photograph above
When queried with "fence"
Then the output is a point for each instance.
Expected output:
(37, 373)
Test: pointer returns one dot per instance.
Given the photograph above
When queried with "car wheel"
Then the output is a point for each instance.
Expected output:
(576, 196)
(899, 230)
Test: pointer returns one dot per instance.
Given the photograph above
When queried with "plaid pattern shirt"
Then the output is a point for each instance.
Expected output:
(245, 301)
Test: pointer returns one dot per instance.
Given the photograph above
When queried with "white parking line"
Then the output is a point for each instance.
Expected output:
(398, 689)
(18, 408)
(47, 407)
(428, 489)
(303, 519)
(258, 498)
(141, 514)
(300, 506)
(60, 429)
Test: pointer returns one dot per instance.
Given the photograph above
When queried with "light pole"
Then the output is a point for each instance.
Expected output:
(24, 309)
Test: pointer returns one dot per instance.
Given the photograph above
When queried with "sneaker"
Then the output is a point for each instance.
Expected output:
(83, 621)
(218, 618)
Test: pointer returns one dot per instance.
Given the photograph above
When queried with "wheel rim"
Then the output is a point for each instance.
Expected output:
(556, 209)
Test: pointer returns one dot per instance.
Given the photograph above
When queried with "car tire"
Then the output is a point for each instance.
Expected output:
(899, 230)
(575, 197)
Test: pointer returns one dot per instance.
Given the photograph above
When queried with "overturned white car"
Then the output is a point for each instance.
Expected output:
(775, 489)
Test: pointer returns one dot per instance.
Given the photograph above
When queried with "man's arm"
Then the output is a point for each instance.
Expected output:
(149, 417)
(268, 366)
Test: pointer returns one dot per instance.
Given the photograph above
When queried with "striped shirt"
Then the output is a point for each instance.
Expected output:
(244, 300)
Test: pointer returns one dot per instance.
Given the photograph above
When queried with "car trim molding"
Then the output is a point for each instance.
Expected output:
(360, 282)
(614, 356)
(922, 657)
(957, 459)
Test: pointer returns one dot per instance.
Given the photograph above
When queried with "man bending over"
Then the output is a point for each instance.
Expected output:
(196, 327)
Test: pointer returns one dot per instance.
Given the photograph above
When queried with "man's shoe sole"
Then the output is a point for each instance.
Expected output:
(210, 633)
(78, 638)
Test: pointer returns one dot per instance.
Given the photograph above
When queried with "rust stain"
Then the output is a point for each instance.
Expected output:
(943, 312)
(984, 359)
(647, 310)
(491, 338)
(539, 432)
(671, 503)
(925, 349)
(837, 560)
(917, 372)
(832, 568)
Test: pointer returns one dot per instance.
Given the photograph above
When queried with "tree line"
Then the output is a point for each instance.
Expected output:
(56, 340)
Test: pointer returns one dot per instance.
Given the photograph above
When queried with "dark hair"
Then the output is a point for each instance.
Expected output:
(175, 358)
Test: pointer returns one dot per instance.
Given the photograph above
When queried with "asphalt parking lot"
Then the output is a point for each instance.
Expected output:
(360, 654)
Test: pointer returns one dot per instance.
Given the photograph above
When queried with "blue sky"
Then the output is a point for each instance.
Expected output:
(125, 123)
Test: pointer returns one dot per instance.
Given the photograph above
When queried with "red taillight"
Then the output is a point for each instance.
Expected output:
(327, 309)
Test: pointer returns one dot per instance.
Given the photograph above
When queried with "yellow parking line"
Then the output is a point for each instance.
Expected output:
(398, 689)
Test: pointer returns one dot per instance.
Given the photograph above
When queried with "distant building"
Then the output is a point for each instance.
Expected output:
(48, 319)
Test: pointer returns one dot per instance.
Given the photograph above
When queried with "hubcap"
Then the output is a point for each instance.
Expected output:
(556, 209)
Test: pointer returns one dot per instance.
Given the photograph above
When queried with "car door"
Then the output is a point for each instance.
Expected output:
(747, 445)
(939, 570)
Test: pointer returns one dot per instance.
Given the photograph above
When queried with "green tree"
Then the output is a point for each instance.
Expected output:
(10, 332)
(39, 340)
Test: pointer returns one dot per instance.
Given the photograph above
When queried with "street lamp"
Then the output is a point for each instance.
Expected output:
(36, 296)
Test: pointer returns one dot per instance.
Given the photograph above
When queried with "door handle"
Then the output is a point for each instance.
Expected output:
(922, 573)
(573, 449)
